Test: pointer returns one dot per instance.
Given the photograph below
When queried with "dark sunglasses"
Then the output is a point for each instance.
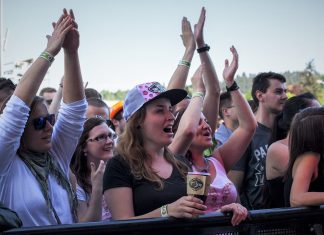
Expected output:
(40, 122)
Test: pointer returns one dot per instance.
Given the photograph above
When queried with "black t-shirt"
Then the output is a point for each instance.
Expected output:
(253, 164)
(276, 192)
(146, 195)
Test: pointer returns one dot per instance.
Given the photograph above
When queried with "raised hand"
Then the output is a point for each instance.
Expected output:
(230, 69)
(239, 212)
(61, 28)
(97, 174)
(186, 207)
(197, 80)
(199, 29)
(187, 35)
(72, 40)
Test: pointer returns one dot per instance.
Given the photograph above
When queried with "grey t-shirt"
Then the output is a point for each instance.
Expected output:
(253, 164)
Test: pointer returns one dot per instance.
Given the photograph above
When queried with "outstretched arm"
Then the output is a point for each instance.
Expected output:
(72, 83)
(55, 105)
(188, 124)
(210, 76)
(242, 136)
(31, 80)
(179, 77)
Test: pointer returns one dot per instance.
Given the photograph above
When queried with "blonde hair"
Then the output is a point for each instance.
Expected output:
(130, 147)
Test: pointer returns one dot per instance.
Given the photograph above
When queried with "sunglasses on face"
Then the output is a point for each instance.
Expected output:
(103, 138)
(40, 122)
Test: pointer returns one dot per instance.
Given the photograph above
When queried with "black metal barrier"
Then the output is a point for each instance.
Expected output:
(271, 221)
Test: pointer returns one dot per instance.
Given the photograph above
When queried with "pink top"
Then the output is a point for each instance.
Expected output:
(221, 191)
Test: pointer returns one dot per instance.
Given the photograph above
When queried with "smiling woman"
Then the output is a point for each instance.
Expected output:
(95, 148)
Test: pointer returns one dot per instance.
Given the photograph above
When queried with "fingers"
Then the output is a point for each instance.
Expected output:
(239, 212)
(72, 14)
(202, 17)
(226, 63)
(59, 20)
(93, 167)
(102, 166)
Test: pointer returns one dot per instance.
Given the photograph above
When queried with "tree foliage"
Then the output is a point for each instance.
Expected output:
(308, 80)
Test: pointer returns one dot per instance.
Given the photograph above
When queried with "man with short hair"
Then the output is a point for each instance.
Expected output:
(48, 94)
(97, 107)
(228, 113)
(269, 94)
(92, 93)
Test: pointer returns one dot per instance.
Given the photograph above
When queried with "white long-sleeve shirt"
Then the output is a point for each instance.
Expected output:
(19, 189)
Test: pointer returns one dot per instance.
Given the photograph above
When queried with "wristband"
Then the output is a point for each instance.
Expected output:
(198, 94)
(185, 63)
(47, 56)
(234, 87)
(203, 49)
(164, 211)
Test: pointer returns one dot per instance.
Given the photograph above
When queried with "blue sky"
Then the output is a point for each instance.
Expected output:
(125, 42)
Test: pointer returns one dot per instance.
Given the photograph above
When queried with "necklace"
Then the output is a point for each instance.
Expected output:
(205, 168)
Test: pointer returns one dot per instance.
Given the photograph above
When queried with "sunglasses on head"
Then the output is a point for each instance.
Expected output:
(40, 122)
(108, 122)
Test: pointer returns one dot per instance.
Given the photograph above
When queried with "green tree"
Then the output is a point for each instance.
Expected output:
(310, 79)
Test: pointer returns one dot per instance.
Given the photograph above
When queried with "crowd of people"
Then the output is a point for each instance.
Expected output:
(81, 160)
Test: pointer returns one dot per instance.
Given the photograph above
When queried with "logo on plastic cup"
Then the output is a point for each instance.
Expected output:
(196, 184)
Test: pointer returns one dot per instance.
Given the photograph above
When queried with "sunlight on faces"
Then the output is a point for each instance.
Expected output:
(275, 96)
(37, 140)
(100, 150)
(157, 126)
(92, 111)
(203, 138)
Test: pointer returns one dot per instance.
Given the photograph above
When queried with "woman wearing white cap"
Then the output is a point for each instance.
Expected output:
(145, 176)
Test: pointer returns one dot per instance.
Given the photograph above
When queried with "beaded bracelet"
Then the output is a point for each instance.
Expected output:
(185, 63)
(198, 94)
(233, 87)
(47, 56)
(204, 48)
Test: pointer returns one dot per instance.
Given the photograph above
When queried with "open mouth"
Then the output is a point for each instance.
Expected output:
(206, 133)
(168, 130)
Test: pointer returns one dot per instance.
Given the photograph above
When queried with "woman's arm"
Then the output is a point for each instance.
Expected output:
(179, 77)
(188, 124)
(72, 83)
(305, 170)
(93, 211)
(120, 203)
(55, 105)
(210, 76)
(31, 80)
(242, 136)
